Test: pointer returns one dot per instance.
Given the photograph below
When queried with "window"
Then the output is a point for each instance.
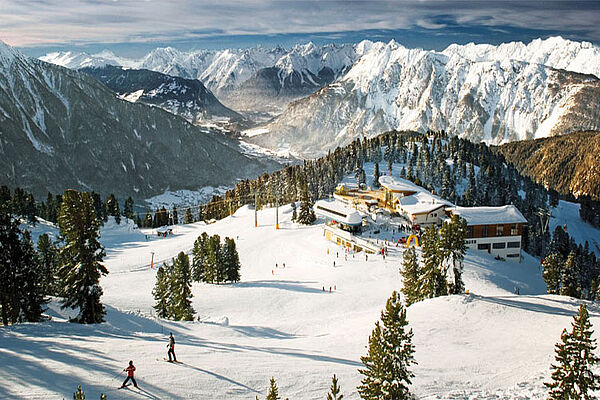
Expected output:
(483, 246)
(470, 241)
(513, 255)
(470, 231)
(499, 230)
(484, 231)
(514, 229)
(501, 245)
(513, 245)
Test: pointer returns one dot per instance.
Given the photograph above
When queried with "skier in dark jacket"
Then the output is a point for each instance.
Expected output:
(171, 347)
(130, 370)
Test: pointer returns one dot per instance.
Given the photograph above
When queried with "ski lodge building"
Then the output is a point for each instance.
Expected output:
(414, 203)
(341, 224)
(496, 230)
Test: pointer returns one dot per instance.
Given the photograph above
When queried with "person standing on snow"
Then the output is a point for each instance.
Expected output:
(171, 347)
(130, 370)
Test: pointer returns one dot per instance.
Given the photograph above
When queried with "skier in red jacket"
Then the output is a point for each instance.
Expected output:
(130, 369)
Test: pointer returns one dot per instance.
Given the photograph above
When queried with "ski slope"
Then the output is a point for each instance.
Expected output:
(488, 344)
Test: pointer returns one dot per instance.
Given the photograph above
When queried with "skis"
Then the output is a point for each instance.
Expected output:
(172, 362)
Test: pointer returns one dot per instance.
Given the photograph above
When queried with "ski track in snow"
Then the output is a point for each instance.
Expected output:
(489, 344)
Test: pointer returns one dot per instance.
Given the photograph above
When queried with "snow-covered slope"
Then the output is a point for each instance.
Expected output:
(490, 344)
(392, 87)
(554, 52)
(76, 60)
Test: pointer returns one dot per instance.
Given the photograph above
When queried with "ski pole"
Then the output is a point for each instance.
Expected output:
(116, 376)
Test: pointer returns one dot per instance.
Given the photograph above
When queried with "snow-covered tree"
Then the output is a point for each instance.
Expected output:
(199, 255)
(452, 249)
(387, 374)
(572, 375)
(334, 394)
(81, 257)
(432, 280)
(376, 176)
(411, 272)
(552, 272)
(307, 214)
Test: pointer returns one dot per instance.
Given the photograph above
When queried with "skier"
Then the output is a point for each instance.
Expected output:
(130, 369)
(171, 347)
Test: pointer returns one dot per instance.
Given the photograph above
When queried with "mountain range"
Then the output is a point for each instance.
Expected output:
(393, 87)
(238, 76)
(61, 128)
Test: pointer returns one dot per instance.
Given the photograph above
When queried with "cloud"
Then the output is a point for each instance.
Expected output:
(44, 22)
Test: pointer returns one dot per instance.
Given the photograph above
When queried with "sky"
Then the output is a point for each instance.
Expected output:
(134, 27)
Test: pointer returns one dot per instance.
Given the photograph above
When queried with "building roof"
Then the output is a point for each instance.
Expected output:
(338, 211)
(421, 203)
(490, 215)
(398, 184)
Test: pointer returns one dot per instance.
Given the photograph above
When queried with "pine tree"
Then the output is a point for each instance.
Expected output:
(112, 208)
(273, 391)
(128, 209)
(175, 216)
(569, 279)
(79, 394)
(552, 272)
(199, 254)
(162, 293)
(572, 376)
(32, 286)
(432, 280)
(335, 390)
(411, 273)
(294, 213)
(452, 248)
(376, 176)
(182, 288)
(188, 217)
(231, 261)
(213, 259)
(307, 214)
(81, 257)
(47, 252)
(390, 355)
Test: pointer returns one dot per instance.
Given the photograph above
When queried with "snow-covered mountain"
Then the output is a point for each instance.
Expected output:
(238, 76)
(61, 128)
(185, 97)
(392, 87)
(554, 52)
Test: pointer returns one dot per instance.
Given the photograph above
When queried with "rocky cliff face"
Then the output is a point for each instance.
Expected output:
(392, 87)
(61, 128)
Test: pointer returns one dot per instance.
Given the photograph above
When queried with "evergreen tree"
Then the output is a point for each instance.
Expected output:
(273, 391)
(175, 216)
(182, 288)
(572, 376)
(307, 214)
(335, 390)
(112, 208)
(79, 394)
(432, 280)
(294, 213)
(411, 273)
(231, 261)
(387, 372)
(49, 263)
(188, 217)
(452, 248)
(199, 254)
(552, 272)
(569, 279)
(32, 288)
(376, 176)
(128, 209)
(162, 293)
(213, 259)
(81, 257)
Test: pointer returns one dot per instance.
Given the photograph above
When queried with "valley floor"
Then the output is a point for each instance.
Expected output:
(488, 344)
